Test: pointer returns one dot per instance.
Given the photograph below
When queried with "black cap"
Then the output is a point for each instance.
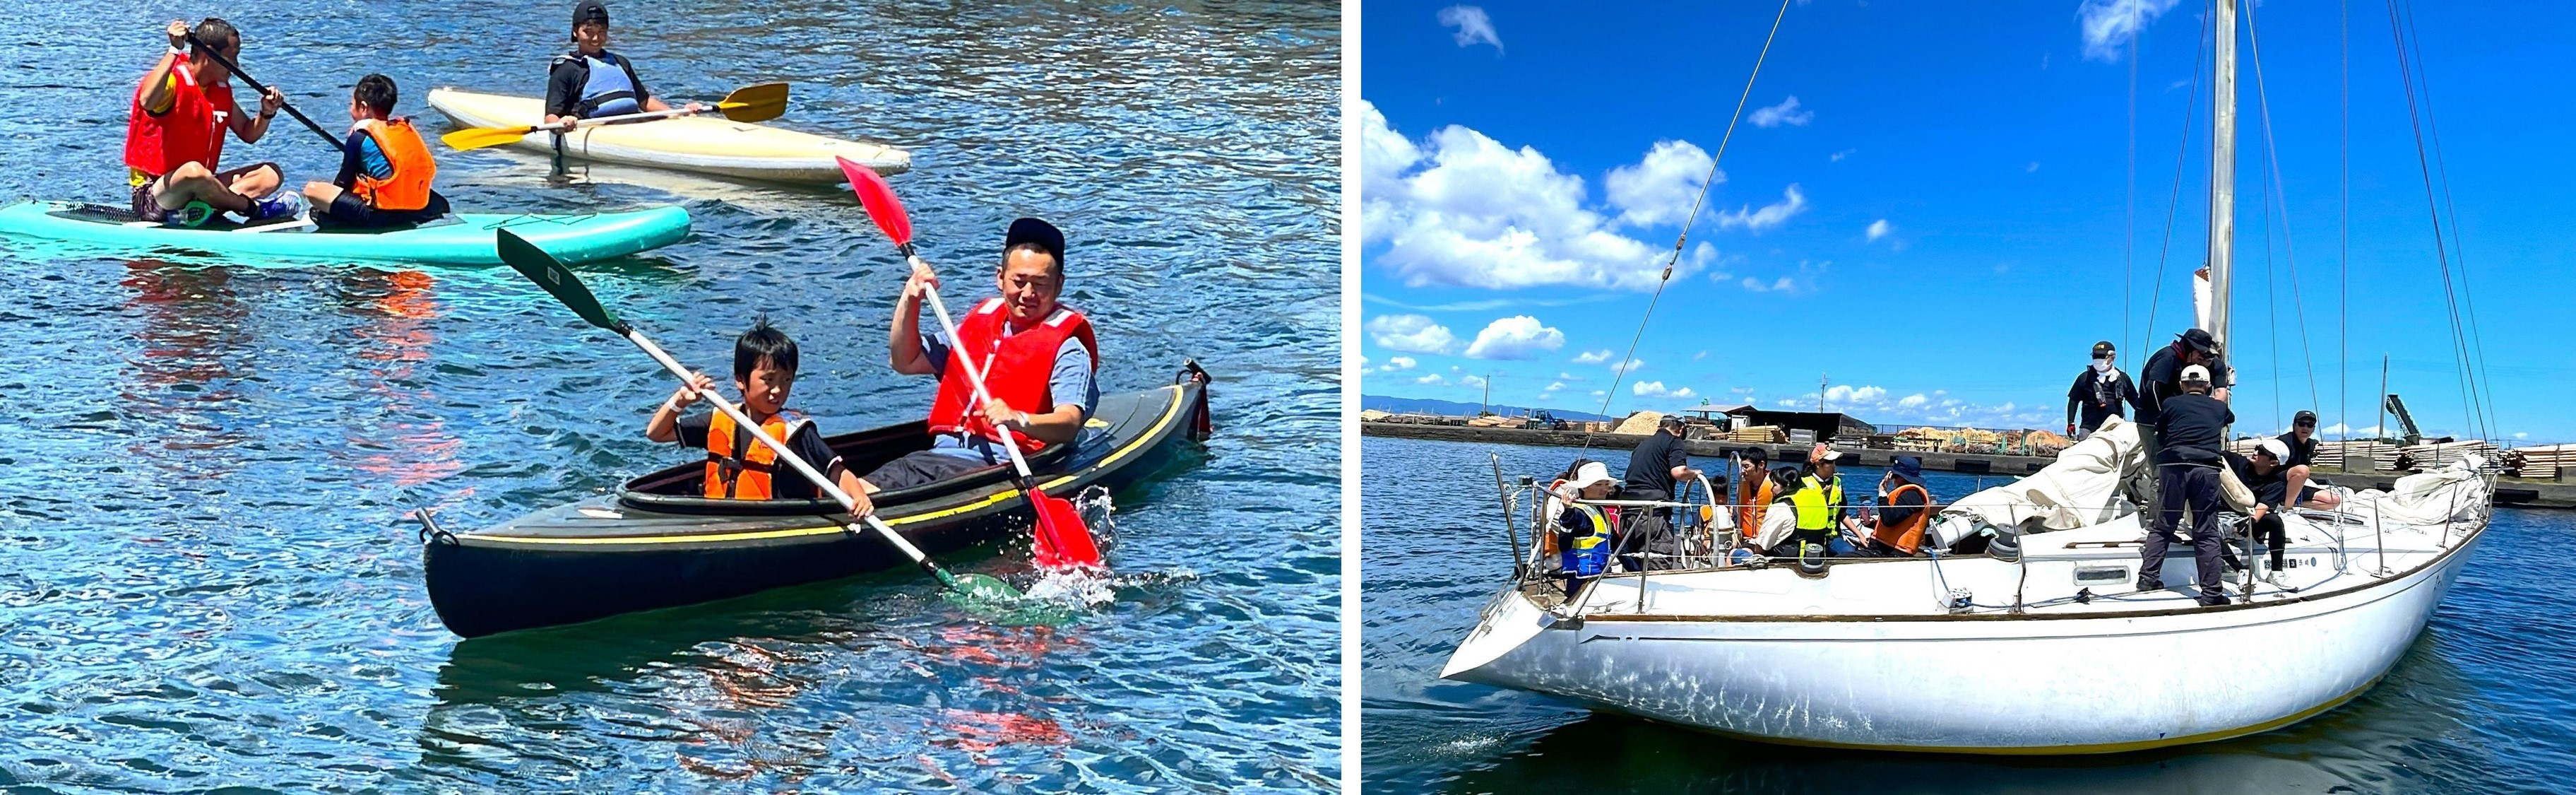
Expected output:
(2304, 418)
(1041, 233)
(2102, 348)
(589, 11)
(2199, 340)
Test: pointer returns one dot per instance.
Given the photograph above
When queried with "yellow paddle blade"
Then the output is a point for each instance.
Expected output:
(755, 103)
(479, 137)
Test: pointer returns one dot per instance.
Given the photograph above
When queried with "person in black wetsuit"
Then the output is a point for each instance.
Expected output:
(2098, 393)
(2191, 430)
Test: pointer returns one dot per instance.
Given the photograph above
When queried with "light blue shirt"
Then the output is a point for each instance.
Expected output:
(1072, 376)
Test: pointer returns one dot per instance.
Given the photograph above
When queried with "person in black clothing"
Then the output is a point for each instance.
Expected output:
(2191, 430)
(2162, 377)
(2301, 443)
(590, 80)
(2263, 474)
(2098, 393)
(1658, 462)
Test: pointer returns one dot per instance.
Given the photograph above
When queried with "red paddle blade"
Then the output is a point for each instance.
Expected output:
(878, 197)
(1063, 542)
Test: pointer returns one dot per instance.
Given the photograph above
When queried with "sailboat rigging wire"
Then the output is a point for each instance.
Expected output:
(2289, 248)
(2482, 376)
(2182, 152)
(2406, 69)
(2343, 261)
(1621, 371)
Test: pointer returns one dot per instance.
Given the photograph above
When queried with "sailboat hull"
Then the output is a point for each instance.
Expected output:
(1984, 684)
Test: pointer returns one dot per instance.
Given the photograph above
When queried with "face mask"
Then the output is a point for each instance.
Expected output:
(2102, 366)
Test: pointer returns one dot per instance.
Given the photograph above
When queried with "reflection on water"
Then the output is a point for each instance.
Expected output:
(2476, 705)
(224, 590)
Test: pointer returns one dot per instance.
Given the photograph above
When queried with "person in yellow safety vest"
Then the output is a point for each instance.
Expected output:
(1583, 538)
(1820, 505)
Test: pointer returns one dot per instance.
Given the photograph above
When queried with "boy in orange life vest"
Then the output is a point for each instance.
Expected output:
(385, 167)
(1037, 357)
(740, 467)
(174, 133)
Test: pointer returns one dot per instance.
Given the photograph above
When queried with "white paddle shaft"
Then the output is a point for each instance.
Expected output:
(975, 375)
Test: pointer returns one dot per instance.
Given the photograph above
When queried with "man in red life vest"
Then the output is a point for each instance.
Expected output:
(1038, 358)
(174, 138)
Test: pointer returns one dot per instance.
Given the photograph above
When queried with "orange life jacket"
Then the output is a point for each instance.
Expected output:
(191, 131)
(1753, 498)
(1015, 367)
(408, 188)
(740, 467)
(1905, 536)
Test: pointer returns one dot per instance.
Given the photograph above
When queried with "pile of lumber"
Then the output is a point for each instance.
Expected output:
(1373, 415)
(2436, 455)
(2356, 455)
(1964, 440)
(1493, 421)
(1758, 434)
(2041, 443)
(2540, 462)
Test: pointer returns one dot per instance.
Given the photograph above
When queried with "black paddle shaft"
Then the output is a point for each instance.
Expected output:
(255, 86)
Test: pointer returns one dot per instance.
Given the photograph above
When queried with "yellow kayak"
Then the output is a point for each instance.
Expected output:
(706, 143)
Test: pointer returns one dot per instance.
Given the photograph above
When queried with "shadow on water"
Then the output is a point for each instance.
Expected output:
(2362, 746)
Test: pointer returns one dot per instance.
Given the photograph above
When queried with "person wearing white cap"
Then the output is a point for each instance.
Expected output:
(1583, 537)
(2266, 475)
(2191, 432)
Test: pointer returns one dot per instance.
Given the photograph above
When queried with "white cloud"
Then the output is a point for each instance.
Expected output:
(1698, 356)
(1462, 209)
(1913, 401)
(1627, 367)
(1411, 333)
(1553, 386)
(1792, 202)
(1591, 357)
(1786, 112)
(1662, 188)
(1562, 376)
(1880, 228)
(1433, 379)
(2033, 168)
(1837, 157)
(1516, 337)
(1394, 363)
(1783, 285)
(1473, 26)
(1845, 394)
(1600, 393)
(2525, 435)
(1472, 381)
(2110, 24)
(1788, 403)
(1656, 389)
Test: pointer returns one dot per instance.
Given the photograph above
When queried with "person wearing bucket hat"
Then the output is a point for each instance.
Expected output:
(1583, 537)
(2301, 442)
(2099, 393)
(1904, 504)
(591, 81)
(2191, 434)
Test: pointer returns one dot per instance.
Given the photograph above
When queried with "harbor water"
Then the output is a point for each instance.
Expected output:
(2480, 704)
(207, 576)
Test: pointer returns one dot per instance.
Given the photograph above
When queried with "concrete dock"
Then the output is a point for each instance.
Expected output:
(2509, 492)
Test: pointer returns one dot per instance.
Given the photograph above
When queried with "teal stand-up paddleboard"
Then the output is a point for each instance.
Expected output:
(464, 239)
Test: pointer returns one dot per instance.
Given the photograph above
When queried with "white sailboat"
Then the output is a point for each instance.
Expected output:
(2041, 648)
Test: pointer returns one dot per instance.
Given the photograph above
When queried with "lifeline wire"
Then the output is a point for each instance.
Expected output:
(1621, 371)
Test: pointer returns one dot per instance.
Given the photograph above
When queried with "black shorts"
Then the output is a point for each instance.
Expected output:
(347, 211)
(921, 467)
(149, 210)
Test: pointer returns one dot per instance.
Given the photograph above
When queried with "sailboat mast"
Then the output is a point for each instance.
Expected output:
(2222, 174)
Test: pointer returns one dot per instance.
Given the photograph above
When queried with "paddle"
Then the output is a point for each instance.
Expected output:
(1063, 541)
(228, 65)
(550, 274)
(754, 103)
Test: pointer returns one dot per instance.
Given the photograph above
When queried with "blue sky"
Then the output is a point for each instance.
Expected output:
(1930, 203)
